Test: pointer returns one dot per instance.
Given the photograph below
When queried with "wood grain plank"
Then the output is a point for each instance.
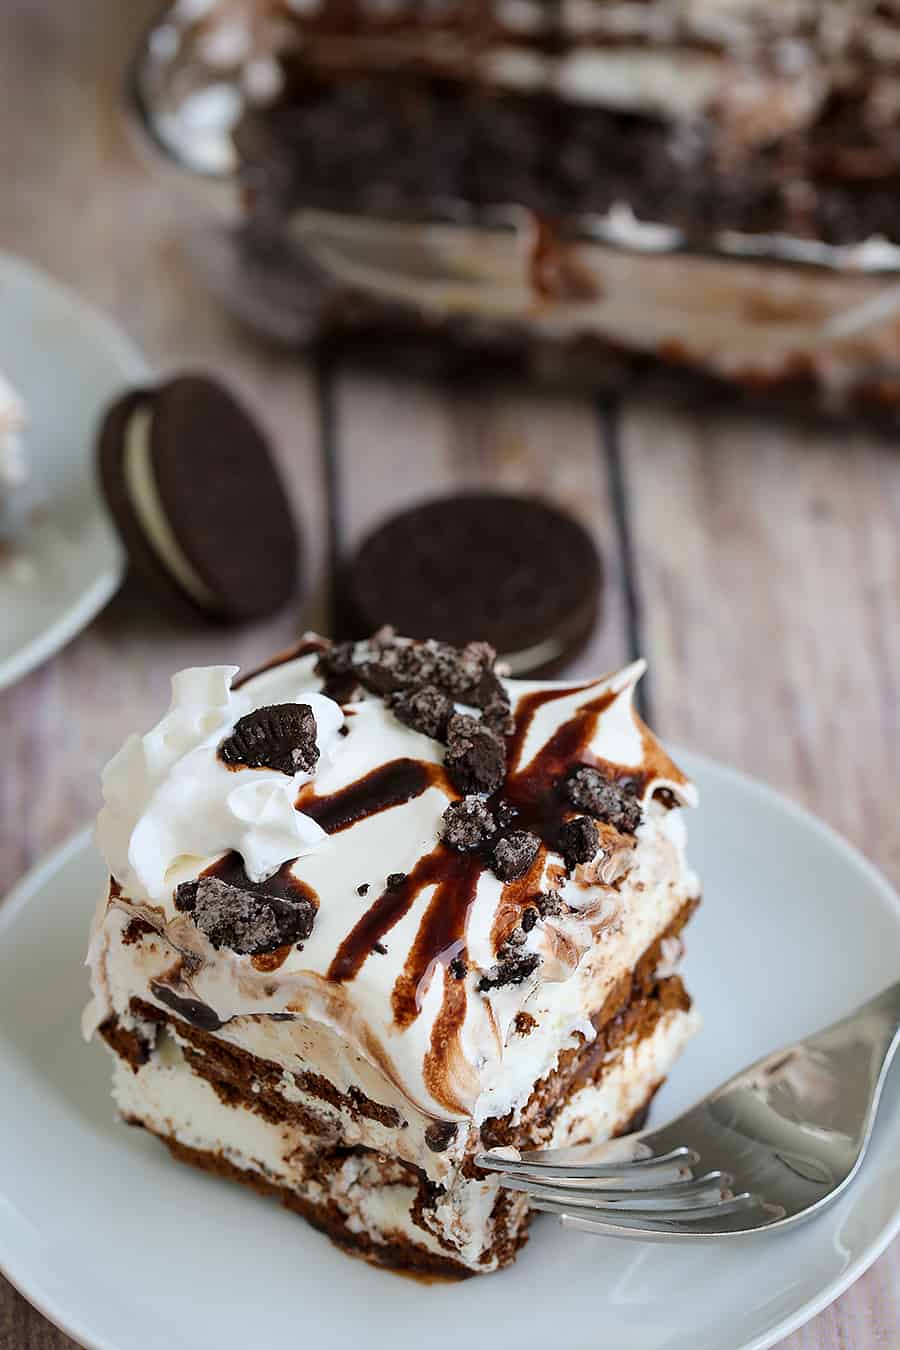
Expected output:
(769, 568)
(403, 440)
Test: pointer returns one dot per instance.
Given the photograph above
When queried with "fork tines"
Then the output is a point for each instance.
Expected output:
(645, 1195)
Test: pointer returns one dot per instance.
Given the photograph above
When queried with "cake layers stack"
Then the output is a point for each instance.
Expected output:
(375, 909)
(708, 116)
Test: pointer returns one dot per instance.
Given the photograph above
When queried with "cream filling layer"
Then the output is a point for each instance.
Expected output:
(372, 1193)
(143, 494)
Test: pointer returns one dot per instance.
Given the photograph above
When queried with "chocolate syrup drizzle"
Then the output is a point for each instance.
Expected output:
(536, 792)
(536, 795)
(305, 647)
(281, 884)
(391, 784)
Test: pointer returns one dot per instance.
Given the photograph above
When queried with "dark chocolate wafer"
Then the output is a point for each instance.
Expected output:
(514, 570)
(192, 486)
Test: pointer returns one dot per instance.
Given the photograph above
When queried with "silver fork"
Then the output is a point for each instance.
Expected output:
(779, 1141)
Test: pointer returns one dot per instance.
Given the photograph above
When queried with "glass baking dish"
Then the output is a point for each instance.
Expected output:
(375, 242)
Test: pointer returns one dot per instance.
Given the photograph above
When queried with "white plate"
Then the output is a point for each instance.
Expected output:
(128, 1251)
(67, 362)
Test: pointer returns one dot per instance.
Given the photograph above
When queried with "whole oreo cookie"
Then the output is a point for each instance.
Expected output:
(513, 570)
(192, 486)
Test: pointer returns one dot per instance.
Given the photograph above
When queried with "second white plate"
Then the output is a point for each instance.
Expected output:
(129, 1251)
(67, 362)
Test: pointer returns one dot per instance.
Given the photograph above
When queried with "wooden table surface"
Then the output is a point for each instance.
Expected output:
(756, 566)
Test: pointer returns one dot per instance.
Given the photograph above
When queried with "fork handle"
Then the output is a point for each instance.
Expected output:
(878, 1022)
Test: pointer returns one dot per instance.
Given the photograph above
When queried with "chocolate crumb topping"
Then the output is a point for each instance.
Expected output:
(281, 736)
(604, 798)
(494, 703)
(506, 814)
(335, 660)
(440, 1135)
(250, 923)
(467, 825)
(514, 854)
(394, 880)
(579, 841)
(389, 664)
(476, 756)
(458, 968)
(427, 710)
(524, 1023)
(513, 968)
(335, 669)
(363, 889)
(549, 904)
(380, 948)
(529, 919)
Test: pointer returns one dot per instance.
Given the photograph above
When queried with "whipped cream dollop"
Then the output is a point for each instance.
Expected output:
(168, 796)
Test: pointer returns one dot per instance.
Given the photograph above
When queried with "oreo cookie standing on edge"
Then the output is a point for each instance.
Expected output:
(199, 505)
(511, 569)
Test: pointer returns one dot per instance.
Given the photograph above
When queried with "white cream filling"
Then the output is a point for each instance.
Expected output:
(597, 1111)
(371, 1191)
(143, 494)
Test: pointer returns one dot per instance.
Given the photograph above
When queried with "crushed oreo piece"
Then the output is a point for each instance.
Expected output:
(604, 798)
(281, 736)
(514, 854)
(467, 825)
(578, 841)
(494, 702)
(498, 716)
(363, 889)
(476, 756)
(506, 814)
(513, 968)
(380, 948)
(529, 919)
(394, 880)
(388, 664)
(335, 660)
(427, 710)
(335, 669)
(250, 923)
(440, 1135)
(549, 904)
(458, 968)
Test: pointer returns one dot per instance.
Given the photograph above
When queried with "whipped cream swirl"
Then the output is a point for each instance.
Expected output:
(168, 796)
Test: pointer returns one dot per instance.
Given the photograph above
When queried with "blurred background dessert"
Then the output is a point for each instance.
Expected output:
(558, 184)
